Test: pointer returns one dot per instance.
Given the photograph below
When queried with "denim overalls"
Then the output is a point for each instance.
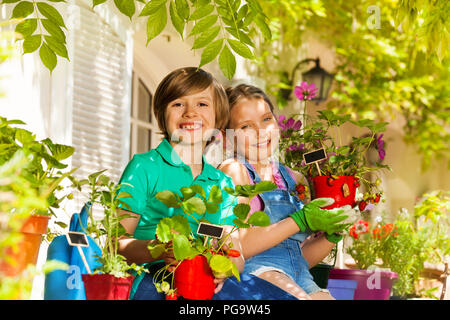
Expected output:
(286, 257)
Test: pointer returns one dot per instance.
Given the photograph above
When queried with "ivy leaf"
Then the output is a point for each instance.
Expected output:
(177, 22)
(259, 218)
(51, 13)
(48, 57)
(215, 194)
(22, 10)
(27, 27)
(127, 7)
(32, 43)
(206, 37)
(156, 23)
(240, 48)
(227, 62)
(210, 52)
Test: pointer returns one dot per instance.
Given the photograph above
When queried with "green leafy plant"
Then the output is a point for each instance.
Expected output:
(217, 27)
(107, 230)
(44, 172)
(175, 234)
(342, 159)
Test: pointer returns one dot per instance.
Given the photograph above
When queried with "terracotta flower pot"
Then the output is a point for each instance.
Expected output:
(342, 190)
(372, 285)
(106, 287)
(194, 279)
(28, 248)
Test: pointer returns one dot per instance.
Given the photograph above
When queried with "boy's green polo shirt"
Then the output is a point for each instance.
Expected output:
(162, 169)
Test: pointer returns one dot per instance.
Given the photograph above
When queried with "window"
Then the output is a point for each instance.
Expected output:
(144, 127)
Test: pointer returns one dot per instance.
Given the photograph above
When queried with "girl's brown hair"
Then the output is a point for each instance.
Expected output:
(246, 91)
(186, 81)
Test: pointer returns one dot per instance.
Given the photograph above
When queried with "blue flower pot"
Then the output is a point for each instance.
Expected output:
(342, 289)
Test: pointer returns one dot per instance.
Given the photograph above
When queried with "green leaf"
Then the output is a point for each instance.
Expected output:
(164, 230)
(263, 27)
(32, 43)
(156, 250)
(27, 27)
(152, 7)
(48, 57)
(182, 247)
(198, 189)
(259, 218)
(238, 223)
(210, 52)
(202, 12)
(215, 194)
(168, 198)
(61, 151)
(93, 176)
(97, 2)
(265, 186)
(57, 47)
(204, 24)
(206, 37)
(235, 271)
(156, 23)
(227, 62)
(240, 48)
(181, 225)
(177, 22)
(195, 204)
(22, 10)
(54, 30)
(211, 207)
(187, 193)
(51, 13)
(220, 265)
(127, 7)
(10, 1)
(182, 9)
(241, 210)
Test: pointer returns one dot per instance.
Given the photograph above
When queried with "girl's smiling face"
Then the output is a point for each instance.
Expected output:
(255, 128)
(191, 118)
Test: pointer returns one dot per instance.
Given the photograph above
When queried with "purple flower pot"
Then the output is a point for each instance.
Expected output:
(372, 284)
(342, 289)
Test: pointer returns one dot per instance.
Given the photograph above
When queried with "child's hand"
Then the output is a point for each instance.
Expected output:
(312, 218)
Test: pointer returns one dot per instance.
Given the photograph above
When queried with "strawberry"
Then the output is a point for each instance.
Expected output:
(300, 188)
(330, 181)
(233, 253)
(362, 205)
(377, 198)
(172, 296)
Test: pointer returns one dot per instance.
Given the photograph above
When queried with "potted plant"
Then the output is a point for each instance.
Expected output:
(44, 175)
(201, 258)
(111, 280)
(344, 167)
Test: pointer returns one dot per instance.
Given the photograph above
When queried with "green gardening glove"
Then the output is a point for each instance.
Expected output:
(311, 218)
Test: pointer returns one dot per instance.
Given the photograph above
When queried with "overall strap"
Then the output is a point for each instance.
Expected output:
(288, 180)
(252, 172)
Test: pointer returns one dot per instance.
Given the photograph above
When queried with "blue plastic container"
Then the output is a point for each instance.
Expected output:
(342, 289)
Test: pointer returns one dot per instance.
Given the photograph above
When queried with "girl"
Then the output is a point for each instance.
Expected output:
(274, 253)
(188, 105)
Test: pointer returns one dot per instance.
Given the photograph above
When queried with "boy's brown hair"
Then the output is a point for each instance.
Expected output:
(186, 81)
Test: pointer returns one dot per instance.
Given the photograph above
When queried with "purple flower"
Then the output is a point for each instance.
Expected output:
(288, 124)
(380, 147)
(305, 91)
(295, 147)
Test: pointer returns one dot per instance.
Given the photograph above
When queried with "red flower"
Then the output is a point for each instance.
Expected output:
(376, 233)
(360, 227)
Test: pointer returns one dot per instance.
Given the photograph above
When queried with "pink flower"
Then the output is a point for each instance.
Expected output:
(287, 125)
(380, 147)
(305, 91)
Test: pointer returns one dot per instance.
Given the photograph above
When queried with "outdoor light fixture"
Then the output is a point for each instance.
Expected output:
(321, 78)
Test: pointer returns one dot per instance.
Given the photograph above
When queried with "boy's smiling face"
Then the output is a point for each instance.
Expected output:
(191, 118)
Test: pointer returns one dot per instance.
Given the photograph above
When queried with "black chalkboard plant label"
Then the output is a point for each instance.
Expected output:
(314, 157)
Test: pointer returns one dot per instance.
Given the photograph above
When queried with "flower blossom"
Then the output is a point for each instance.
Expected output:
(380, 147)
(360, 227)
(288, 124)
(295, 147)
(305, 91)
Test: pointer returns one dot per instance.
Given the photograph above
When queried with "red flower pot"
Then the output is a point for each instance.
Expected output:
(342, 190)
(28, 247)
(372, 285)
(194, 279)
(106, 287)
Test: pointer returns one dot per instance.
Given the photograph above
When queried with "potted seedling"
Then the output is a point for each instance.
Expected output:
(201, 254)
(335, 170)
(44, 173)
(111, 280)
